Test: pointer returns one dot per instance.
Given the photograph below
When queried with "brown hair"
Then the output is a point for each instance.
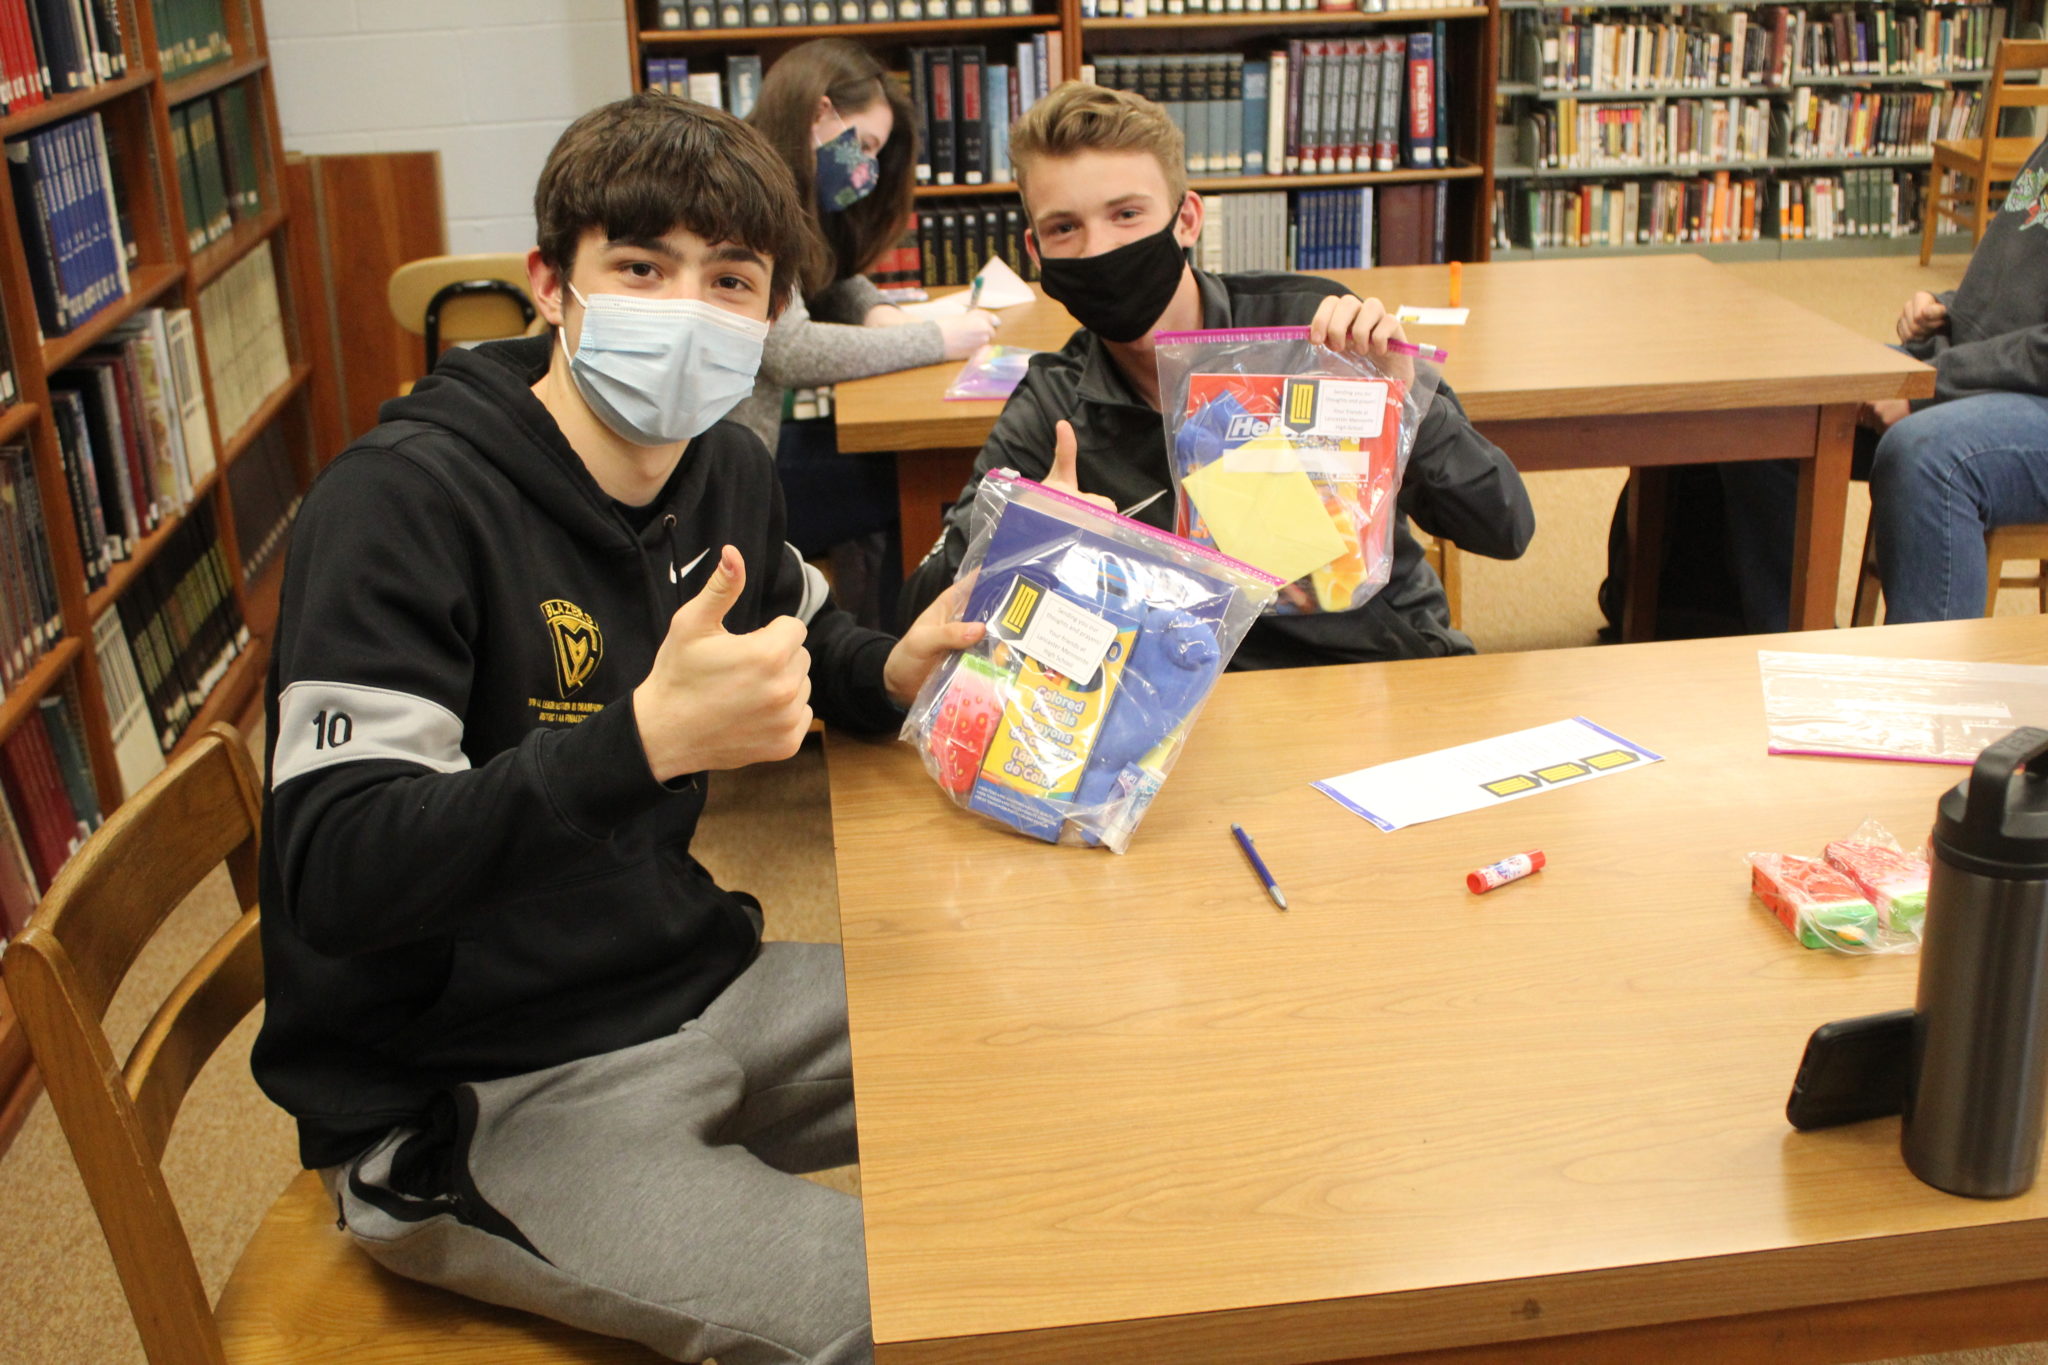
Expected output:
(855, 238)
(1077, 117)
(652, 162)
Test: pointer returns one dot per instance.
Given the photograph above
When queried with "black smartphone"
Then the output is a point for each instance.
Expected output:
(1854, 1069)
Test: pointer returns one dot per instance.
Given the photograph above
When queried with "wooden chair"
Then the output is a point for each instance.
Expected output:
(446, 299)
(2001, 545)
(302, 1293)
(1988, 159)
(2004, 543)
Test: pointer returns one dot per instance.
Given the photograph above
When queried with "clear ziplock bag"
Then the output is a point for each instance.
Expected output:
(1105, 637)
(993, 372)
(1289, 456)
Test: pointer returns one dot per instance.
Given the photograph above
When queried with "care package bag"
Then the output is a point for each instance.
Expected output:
(1289, 455)
(1104, 638)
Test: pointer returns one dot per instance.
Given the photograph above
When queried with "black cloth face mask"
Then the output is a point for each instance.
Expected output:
(1119, 294)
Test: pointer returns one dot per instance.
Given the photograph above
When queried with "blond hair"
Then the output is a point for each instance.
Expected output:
(1091, 118)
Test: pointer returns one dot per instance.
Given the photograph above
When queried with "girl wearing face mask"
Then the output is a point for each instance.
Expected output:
(847, 133)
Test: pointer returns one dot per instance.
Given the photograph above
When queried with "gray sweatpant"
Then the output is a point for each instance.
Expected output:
(655, 1186)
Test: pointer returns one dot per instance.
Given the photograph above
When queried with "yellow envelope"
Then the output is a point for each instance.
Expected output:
(1273, 520)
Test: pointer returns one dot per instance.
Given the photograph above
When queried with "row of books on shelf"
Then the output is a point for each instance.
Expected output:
(9, 389)
(214, 141)
(1734, 49)
(264, 486)
(72, 213)
(50, 805)
(160, 652)
(175, 633)
(190, 34)
(743, 14)
(1168, 9)
(31, 620)
(1869, 123)
(54, 47)
(1339, 229)
(1703, 210)
(1333, 106)
(1574, 134)
(947, 242)
(967, 104)
(246, 355)
(734, 89)
(1275, 230)
(133, 436)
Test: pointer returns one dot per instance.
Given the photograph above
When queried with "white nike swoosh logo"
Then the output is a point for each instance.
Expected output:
(676, 575)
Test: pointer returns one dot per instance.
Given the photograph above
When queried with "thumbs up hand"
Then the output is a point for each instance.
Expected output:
(1063, 475)
(718, 700)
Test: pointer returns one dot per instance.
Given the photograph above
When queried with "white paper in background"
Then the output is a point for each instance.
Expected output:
(1432, 317)
(1912, 710)
(1000, 288)
(1487, 772)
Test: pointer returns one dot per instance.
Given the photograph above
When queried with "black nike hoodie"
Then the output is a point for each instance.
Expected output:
(468, 869)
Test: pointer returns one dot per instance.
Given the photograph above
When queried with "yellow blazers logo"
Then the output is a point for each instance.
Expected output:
(579, 644)
(1298, 405)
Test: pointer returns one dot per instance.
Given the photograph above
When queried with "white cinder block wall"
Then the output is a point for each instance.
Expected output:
(490, 84)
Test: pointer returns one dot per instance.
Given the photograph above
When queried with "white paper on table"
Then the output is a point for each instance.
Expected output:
(1000, 288)
(1432, 317)
(1487, 772)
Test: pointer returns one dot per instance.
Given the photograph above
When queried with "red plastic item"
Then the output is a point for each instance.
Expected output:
(961, 731)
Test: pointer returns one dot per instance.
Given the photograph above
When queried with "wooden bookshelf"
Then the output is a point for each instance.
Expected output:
(1518, 95)
(1287, 19)
(169, 274)
(921, 30)
(1469, 65)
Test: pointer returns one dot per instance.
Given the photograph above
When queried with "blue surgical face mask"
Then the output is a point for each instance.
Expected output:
(659, 371)
(847, 172)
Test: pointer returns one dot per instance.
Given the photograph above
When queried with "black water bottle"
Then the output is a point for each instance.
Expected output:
(1980, 1043)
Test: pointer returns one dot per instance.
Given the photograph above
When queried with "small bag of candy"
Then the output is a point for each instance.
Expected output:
(1104, 638)
(1894, 880)
(1821, 906)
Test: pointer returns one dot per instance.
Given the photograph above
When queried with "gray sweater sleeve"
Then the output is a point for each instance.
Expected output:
(803, 353)
(848, 301)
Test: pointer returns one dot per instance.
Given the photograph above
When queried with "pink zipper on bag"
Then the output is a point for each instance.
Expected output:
(1228, 335)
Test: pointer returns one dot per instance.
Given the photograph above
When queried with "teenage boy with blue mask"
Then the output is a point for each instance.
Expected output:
(1102, 175)
(540, 1057)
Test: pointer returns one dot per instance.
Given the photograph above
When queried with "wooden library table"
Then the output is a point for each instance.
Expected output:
(1122, 1109)
(1642, 362)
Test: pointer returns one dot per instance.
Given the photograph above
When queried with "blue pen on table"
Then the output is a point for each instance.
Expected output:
(1244, 841)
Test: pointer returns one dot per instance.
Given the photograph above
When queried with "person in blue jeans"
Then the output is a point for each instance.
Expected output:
(1975, 456)
(1943, 470)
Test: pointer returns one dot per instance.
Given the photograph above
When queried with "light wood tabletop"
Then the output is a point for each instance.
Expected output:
(1122, 1108)
(1640, 362)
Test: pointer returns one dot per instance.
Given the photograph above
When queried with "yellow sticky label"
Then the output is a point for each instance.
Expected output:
(1613, 758)
(1509, 786)
(1562, 772)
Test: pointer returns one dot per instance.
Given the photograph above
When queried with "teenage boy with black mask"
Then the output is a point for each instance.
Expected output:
(1111, 220)
(539, 1056)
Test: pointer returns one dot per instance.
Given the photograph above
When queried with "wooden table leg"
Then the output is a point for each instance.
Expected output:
(927, 483)
(1647, 487)
(1823, 504)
